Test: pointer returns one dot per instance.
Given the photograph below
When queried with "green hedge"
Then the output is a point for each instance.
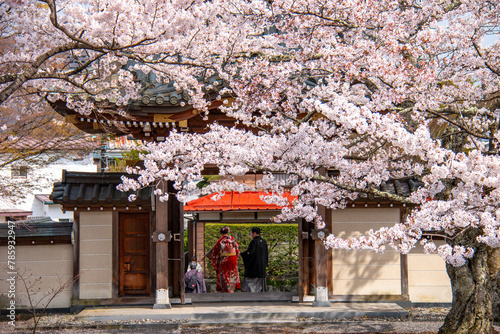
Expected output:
(282, 240)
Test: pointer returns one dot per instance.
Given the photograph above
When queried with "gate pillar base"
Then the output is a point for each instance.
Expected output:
(321, 299)
(161, 300)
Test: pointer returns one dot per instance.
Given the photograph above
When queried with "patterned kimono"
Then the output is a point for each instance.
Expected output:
(225, 261)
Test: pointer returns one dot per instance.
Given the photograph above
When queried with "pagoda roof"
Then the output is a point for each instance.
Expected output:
(160, 108)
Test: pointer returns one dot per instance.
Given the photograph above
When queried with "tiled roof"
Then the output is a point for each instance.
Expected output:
(44, 198)
(247, 200)
(95, 189)
(38, 231)
(78, 144)
(15, 212)
(402, 187)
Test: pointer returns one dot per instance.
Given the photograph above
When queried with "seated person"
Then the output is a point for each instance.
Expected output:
(195, 283)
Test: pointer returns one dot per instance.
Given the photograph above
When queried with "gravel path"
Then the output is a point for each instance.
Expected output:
(420, 320)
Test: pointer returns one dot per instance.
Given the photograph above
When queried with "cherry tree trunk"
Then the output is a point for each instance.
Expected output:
(472, 287)
(494, 263)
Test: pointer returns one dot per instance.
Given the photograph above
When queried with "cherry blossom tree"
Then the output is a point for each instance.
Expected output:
(373, 90)
(31, 134)
(31, 141)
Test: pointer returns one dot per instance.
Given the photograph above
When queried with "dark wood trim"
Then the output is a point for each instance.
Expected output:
(76, 256)
(243, 221)
(307, 259)
(175, 223)
(376, 204)
(182, 267)
(39, 240)
(404, 262)
(200, 245)
(301, 263)
(162, 212)
(115, 287)
(152, 253)
(404, 276)
(311, 260)
(106, 207)
(37, 231)
(191, 239)
(320, 252)
(119, 265)
(320, 259)
(329, 253)
(357, 204)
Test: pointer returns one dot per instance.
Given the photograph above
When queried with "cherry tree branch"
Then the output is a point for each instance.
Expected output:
(486, 63)
(33, 68)
(340, 185)
(458, 125)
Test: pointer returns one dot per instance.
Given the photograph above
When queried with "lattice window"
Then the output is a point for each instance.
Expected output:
(19, 171)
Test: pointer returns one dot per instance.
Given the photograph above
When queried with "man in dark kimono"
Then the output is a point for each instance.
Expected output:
(255, 259)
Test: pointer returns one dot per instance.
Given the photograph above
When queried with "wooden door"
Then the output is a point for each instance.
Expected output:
(134, 254)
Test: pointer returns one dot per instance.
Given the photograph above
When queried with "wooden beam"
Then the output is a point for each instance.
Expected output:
(115, 225)
(174, 256)
(177, 223)
(200, 244)
(191, 240)
(76, 257)
(302, 289)
(329, 253)
(321, 259)
(404, 264)
(162, 215)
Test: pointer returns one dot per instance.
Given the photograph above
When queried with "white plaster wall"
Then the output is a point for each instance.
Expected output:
(51, 173)
(365, 272)
(47, 267)
(428, 281)
(50, 210)
(37, 207)
(96, 240)
(54, 211)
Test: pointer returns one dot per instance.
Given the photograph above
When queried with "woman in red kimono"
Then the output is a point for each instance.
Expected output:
(224, 258)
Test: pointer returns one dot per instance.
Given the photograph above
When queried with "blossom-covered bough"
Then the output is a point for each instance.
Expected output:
(373, 90)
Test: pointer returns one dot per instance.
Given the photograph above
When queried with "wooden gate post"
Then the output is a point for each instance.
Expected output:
(161, 237)
(322, 259)
(321, 291)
